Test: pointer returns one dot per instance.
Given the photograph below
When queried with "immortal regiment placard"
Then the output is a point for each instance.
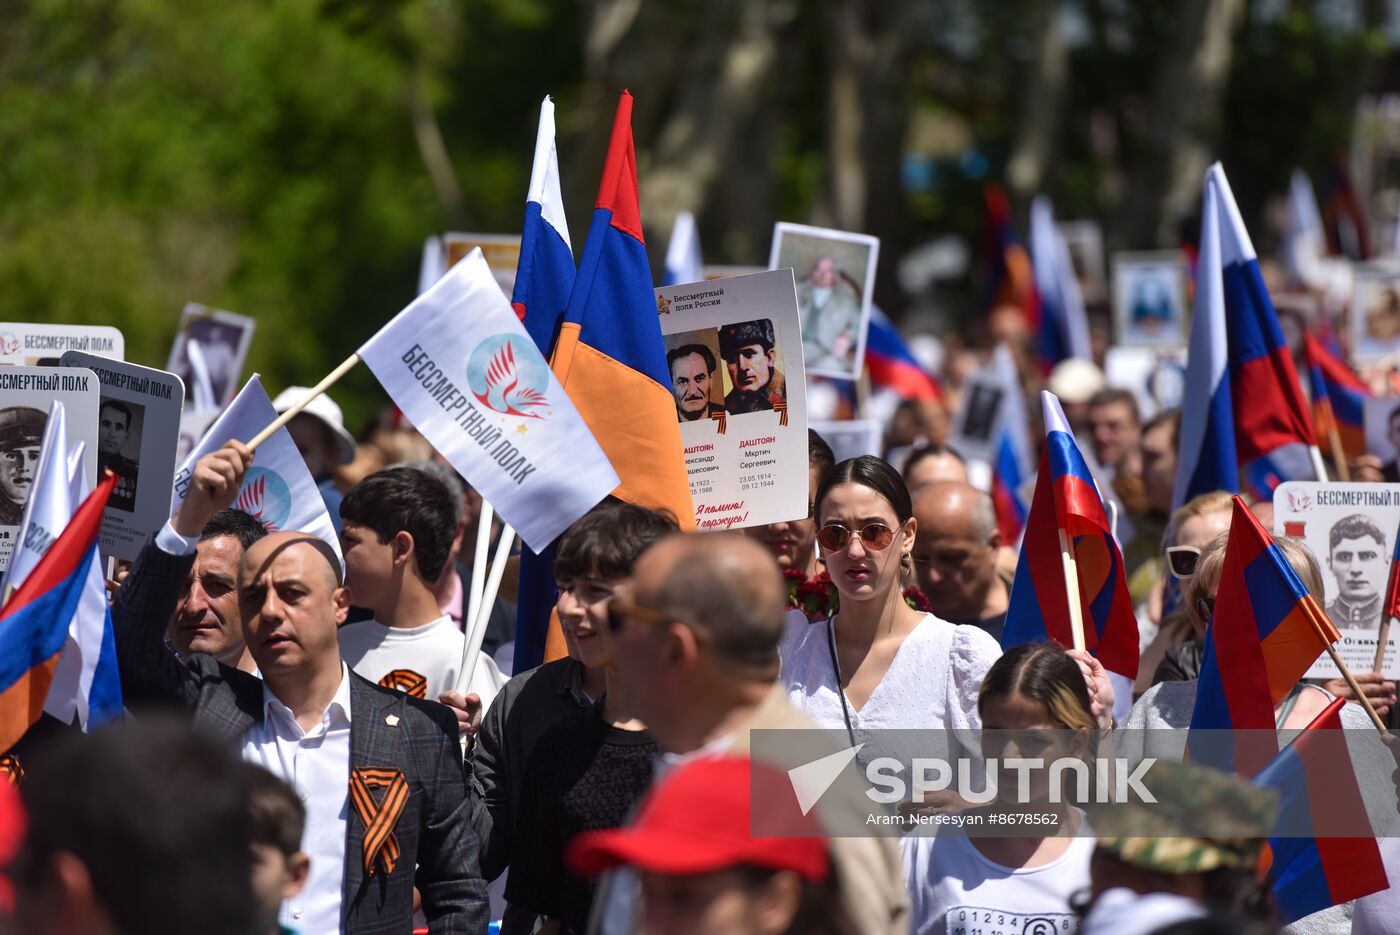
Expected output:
(734, 355)
(138, 422)
(502, 253)
(1351, 529)
(222, 340)
(30, 343)
(25, 395)
(835, 272)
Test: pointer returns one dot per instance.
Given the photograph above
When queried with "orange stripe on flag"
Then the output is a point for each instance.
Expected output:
(1295, 644)
(634, 420)
(23, 702)
(554, 645)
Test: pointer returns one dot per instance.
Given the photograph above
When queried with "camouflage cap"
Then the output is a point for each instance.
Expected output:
(742, 334)
(21, 426)
(1189, 796)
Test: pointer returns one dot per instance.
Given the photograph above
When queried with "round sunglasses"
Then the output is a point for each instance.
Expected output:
(874, 536)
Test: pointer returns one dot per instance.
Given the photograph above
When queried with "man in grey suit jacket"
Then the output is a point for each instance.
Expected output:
(381, 773)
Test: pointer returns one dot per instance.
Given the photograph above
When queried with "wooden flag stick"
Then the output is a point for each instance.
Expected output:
(1342, 667)
(326, 383)
(1339, 457)
(471, 646)
(1076, 611)
(1384, 639)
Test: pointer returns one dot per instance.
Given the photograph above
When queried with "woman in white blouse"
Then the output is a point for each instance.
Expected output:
(878, 663)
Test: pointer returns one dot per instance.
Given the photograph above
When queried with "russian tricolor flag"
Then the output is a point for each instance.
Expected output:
(1323, 851)
(610, 357)
(1254, 426)
(544, 277)
(1064, 325)
(34, 623)
(1013, 458)
(1264, 634)
(892, 366)
(1068, 521)
(1338, 400)
(683, 260)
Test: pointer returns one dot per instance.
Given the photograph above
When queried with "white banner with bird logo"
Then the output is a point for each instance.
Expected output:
(278, 490)
(461, 366)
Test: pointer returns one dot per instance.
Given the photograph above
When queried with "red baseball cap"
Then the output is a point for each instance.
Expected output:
(696, 820)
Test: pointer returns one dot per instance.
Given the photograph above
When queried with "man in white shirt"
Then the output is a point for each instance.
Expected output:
(381, 773)
(397, 531)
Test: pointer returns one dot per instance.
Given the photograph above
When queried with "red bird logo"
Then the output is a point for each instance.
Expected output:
(250, 500)
(503, 390)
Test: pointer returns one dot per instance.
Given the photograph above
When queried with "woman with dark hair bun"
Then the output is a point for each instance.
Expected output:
(878, 663)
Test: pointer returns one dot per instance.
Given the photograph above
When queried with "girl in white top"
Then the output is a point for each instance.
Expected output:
(878, 663)
(961, 884)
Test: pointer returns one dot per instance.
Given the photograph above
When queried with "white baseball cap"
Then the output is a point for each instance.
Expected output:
(323, 408)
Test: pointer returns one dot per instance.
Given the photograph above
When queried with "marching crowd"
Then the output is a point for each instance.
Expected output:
(298, 759)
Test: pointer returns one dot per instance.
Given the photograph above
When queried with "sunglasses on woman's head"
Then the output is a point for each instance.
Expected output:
(833, 536)
(1182, 560)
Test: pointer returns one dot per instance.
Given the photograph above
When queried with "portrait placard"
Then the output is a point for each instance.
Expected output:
(138, 427)
(1084, 240)
(25, 395)
(1375, 313)
(1149, 298)
(33, 344)
(835, 272)
(223, 339)
(1350, 529)
(734, 356)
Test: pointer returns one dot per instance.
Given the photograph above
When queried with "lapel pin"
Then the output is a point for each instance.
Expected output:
(392, 720)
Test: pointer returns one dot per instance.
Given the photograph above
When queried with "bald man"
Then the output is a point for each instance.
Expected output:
(696, 632)
(351, 748)
(955, 555)
(933, 463)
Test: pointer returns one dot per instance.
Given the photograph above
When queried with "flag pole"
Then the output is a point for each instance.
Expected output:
(1076, 611)
(326, 383)
(479, 560)
(1339, 457)
(1341, 666)
(476, 633)
(1318, 466)
(1383, 639)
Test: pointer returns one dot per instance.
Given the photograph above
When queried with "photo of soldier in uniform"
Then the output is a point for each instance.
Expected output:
(21, 434)
(753, 367)
(119, 448)
(223, 339)
(1358, 556)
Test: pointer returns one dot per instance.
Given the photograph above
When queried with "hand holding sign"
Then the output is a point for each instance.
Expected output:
(218, 476)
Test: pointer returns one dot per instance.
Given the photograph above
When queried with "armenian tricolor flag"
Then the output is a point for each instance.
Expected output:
(1010, 276)
(544, 278)
(34, 623)
(1066, 508)
(1338, 400)
(1266, 630)
(610, 357)
(1323, 851)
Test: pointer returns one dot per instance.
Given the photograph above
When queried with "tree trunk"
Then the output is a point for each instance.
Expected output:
(1042, 96)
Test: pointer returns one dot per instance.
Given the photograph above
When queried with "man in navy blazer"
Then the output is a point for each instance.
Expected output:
(381, 773)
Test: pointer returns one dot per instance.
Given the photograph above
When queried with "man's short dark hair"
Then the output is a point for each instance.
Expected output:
(230, 522)
(123, 408)
(685, 350)
(608, 539)
(930, 450)
(157, 814)
(1114, 396)
(277, 816)
(1355, 526)
(405, 499)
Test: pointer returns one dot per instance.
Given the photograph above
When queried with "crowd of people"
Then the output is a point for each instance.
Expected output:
(298, 757)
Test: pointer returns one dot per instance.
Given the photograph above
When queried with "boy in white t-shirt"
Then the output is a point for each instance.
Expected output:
(397, 528)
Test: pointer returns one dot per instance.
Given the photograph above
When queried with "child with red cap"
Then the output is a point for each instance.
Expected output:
(702, 868)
